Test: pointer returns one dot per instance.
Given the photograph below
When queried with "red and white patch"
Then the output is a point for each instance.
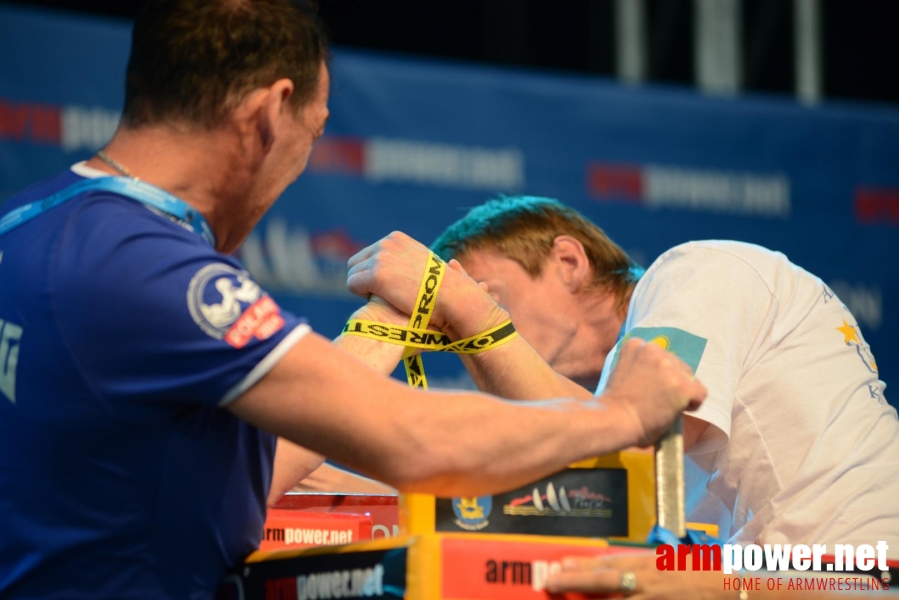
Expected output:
(228, 305)
(261, 320)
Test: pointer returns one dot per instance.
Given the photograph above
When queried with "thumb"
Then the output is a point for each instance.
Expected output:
(456, 265)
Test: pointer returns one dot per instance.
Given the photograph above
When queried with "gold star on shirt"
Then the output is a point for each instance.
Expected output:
(848, 332)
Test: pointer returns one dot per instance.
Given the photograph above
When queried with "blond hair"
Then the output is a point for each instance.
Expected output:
(524, 228)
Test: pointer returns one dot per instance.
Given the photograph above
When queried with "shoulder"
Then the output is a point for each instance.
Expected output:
(705, 273)
(716, 252)
(109, 215)
(721, 261)
(104, 229)
(114, 255)
(81, 214)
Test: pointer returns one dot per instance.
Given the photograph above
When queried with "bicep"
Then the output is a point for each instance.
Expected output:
(693, 430)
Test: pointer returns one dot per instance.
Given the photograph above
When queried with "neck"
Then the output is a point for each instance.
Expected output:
(201, 168)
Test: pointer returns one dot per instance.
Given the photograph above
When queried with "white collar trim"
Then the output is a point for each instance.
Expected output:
(82, 169)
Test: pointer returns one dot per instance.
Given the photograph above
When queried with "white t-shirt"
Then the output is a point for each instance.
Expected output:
(801, 446)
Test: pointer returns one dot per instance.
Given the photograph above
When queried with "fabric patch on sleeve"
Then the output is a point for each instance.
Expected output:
(685, 345)
(227, 304)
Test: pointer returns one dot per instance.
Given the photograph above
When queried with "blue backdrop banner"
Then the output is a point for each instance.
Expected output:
(412, 144)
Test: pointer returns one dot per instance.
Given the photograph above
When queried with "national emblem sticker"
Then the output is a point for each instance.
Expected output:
(472, 512)
(227, 304)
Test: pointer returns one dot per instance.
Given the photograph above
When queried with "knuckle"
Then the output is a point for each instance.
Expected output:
(632, 345)
(397, 238)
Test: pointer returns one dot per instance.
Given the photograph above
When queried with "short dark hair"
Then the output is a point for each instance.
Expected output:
(192, 61)
(523, 228)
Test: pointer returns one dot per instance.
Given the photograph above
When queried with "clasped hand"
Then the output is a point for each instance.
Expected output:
(392, 269)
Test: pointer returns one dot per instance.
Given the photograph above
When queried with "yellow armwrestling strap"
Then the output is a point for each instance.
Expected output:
(418, 337)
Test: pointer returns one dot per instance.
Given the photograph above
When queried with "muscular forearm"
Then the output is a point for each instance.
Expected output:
(517, 372)
(513, 370)
(294, 463)
(447, 443)
(436, 451)
(457, 443)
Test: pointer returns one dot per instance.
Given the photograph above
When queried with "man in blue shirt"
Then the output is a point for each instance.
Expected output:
(145, 377)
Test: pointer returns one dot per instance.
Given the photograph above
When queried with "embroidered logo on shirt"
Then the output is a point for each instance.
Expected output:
(852, 337)
(227, 304)
(685, 345)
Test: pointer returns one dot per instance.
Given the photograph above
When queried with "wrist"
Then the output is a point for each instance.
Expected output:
(466, 309)
(380, 356)
(602, 427)
(626, 427)
(378, 310)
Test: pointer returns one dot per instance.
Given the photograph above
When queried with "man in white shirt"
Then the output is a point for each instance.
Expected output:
(795, 443)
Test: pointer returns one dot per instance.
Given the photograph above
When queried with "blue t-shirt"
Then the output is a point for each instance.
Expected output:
(122, 335)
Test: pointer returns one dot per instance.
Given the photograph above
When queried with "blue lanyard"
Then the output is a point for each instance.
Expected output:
(132, 188)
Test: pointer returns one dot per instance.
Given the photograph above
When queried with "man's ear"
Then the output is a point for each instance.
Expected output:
(571, 262)
(276, 104)
(258, 116)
